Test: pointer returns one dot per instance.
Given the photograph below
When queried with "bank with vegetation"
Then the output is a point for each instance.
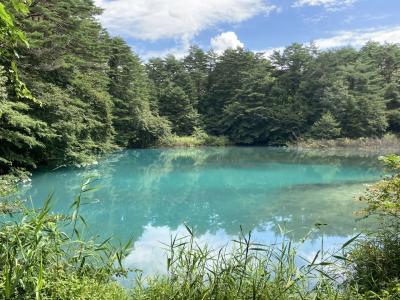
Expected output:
(388, 143)
(70, 92)
(46, 256)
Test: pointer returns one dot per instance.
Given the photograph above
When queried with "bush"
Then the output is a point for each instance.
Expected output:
(9, 182)
(198, 138)
(375, 261)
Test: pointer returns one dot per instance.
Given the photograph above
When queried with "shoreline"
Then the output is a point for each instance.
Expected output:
(387, 143)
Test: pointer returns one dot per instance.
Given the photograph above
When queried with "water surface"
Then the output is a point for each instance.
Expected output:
(149, 194)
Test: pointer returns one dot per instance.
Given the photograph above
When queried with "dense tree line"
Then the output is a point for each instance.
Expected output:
(87, 92)
(299, 92)
(76, 92)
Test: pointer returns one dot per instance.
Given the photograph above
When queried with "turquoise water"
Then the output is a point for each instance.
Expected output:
(149, 194)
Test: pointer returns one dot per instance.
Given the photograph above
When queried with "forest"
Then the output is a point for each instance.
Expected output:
(71, 92)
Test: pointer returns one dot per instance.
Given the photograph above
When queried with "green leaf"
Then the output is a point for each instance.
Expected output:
(350, 241)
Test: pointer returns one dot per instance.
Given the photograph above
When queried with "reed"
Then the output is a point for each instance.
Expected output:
(39, 259)
(244, 270)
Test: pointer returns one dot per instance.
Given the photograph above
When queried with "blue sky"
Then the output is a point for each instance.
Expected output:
(158, 27)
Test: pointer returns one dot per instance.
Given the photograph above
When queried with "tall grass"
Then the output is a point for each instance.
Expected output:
(247, 270)
(40, 260)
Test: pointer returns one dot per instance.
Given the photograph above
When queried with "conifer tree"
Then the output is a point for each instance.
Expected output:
(325, 128)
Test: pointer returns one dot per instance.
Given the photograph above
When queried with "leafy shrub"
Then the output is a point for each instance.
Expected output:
(376, 259)
(198, 138)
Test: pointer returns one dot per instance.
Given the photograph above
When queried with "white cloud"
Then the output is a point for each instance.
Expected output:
(355, 38)
(268, 52)
(328, 4)
(179, 19)
(358, 38)
(179, 51)
(225, 41)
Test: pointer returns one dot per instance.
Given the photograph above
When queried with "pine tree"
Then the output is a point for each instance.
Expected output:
(67, 61)
(175, 93)
(359, 114)
(21, 135)
(227, 76)
(196, 64)
(135, 124)
(257, 114)
(325, 128)
(175, 105)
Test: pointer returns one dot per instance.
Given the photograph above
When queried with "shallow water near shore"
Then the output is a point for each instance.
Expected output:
(150, 194)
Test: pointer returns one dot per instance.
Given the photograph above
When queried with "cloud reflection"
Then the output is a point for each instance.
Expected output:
(149, 254)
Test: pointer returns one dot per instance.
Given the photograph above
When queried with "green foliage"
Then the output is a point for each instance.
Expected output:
(10, 38)
(358, 115)
(70, 141)
(325, 128)
(226, 76)
(383, 198)
(198, 138)
(375, 260)
(175, 105)
(39, 260)
(256, 115)
(20, 133)
(70, 286)
(375, 263)
(197, 64)
(92, 91)
(177, 90)
(65, 67)
(135, 124)
(246, 270)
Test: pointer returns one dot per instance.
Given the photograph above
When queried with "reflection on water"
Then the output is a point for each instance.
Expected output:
(149, 194)
(150, 256)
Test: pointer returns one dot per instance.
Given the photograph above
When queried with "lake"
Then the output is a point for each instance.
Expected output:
(149, 194)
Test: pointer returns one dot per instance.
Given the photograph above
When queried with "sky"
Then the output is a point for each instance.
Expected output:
(156, 28)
